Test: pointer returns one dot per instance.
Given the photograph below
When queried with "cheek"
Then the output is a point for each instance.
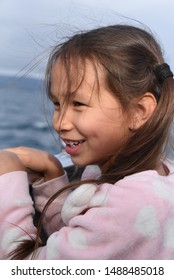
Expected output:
(55, 120)
(115, 134)
(90, 128)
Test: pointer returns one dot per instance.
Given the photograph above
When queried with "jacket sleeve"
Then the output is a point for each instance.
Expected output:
(17, 208)
(16, 211)
(42, 192)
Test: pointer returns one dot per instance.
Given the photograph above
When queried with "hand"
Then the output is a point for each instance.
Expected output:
(9, 162)
(38, 163)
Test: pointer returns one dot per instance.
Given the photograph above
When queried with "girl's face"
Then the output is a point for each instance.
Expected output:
(92, 123)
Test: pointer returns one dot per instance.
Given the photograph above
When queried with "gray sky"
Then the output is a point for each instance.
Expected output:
(29, 27)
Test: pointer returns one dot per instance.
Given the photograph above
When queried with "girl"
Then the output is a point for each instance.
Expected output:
(113, 98)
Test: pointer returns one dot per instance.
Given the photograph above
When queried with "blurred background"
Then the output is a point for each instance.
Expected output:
(29, 29)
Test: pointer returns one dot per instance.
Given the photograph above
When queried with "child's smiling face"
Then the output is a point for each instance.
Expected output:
(91, 122)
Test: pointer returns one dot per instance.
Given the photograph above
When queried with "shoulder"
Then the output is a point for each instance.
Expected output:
(144, 196)
(148, 185)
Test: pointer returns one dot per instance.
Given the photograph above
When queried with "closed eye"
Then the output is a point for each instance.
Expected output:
(78, 104)
(56, 104)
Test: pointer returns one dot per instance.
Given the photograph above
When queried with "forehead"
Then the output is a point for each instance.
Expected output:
(69, 77)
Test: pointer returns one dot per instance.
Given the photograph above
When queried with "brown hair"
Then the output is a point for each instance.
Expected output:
(128, 56)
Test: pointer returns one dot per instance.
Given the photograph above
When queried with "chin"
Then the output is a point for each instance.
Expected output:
(79, 163)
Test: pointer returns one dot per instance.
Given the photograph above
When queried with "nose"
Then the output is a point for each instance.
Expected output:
(62, 121)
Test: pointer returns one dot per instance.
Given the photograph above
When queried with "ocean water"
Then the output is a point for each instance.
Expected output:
(25, 117)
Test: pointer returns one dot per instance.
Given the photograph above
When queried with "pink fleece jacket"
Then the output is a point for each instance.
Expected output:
(131, 219)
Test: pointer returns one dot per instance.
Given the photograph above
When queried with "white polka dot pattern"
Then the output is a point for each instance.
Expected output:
(147, 222)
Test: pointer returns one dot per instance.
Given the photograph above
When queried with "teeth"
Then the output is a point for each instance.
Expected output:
(73, 143)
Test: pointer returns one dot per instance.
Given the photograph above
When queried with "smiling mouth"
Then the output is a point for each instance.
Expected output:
(73, 143)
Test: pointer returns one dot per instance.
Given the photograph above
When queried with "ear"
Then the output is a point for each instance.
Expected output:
(143, 110)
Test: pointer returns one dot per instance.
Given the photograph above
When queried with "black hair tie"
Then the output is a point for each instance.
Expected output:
(163, 72)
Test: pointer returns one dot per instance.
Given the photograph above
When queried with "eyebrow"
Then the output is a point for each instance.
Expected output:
(54, 95)
(75, 94)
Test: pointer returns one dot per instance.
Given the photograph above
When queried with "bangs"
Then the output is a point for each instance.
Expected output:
(70, 71)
